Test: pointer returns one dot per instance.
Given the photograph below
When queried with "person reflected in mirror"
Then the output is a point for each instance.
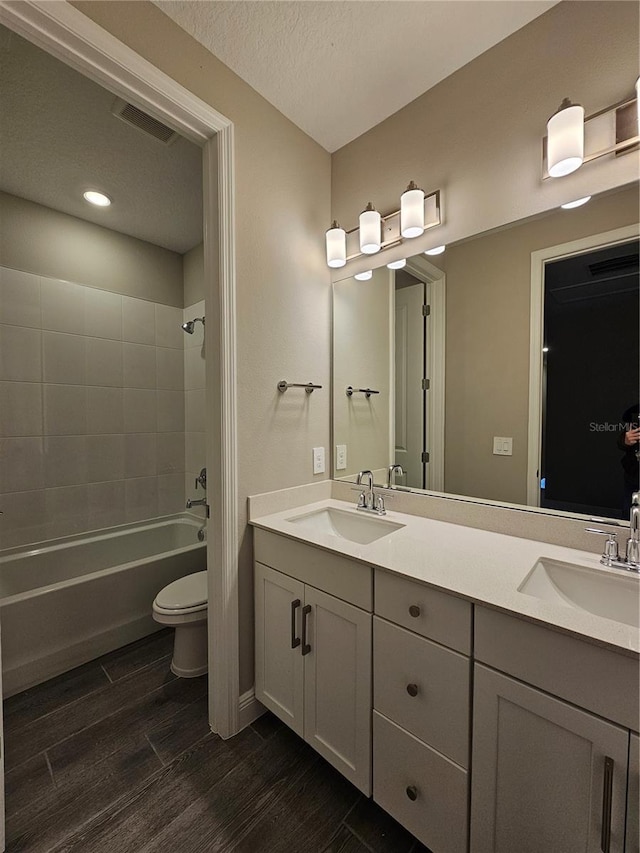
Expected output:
(629, 443)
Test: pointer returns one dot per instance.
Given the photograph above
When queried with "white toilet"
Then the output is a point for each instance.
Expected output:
(183, 605)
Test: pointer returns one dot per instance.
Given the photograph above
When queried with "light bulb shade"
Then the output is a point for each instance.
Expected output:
(565, 140)
(437, 250)
(336, 246)
(363, 276)
(370, 227)
(412, 211)
(397, 265)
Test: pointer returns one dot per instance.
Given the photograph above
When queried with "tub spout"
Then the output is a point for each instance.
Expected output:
(201, 502)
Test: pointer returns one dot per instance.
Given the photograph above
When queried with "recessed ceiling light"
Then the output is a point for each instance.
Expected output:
(577, 203)
(397, 265)
(438, 250)
(99, 199)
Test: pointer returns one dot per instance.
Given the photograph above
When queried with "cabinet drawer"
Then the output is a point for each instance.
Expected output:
(436, 813)
(423, 687)
(436, 615)
(339, 576)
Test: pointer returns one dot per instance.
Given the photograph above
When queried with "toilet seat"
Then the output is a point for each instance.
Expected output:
(186, 595)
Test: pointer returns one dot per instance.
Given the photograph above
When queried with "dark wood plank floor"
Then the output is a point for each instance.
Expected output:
(117, 755)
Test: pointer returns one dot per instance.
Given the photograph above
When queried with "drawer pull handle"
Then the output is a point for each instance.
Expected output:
(412, 689)
(295, 641)
(306, 647)
(607, 796)
(414, 611)
(412, 793)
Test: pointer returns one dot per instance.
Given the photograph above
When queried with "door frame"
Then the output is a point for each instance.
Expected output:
(435, 280)
(64, 32)
(539, 260)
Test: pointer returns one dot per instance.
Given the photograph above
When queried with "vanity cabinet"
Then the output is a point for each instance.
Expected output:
(313, 651)
(421, 715)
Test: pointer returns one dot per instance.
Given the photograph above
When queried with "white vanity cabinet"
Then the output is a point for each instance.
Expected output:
(421, 715)
(550, 772)
(313, 649)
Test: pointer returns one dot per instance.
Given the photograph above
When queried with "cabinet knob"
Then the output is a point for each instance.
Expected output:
(412, 689)
(414, 611)
(412, 793)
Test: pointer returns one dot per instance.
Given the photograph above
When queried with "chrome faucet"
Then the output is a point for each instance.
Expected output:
(610, 556)
(391, 470)
(368, 500)
(201, 480)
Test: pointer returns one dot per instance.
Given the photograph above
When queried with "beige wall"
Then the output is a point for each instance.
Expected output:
(46, 242)
(477, 134)
(193, 275)
(361, 358)
(283, 293)
(487, 349)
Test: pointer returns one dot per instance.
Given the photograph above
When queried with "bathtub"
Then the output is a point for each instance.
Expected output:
(67, 601)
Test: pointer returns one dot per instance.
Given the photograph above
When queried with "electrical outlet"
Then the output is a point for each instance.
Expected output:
(502, 446)
(341, 457)
(318, 460)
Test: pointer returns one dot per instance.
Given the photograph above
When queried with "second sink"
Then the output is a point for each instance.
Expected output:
(614, 596)
(362, 529)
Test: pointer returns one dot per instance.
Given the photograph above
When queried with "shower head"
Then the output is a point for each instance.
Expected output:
(189, 326)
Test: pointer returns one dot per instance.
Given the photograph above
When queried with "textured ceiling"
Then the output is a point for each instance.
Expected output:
(58, 137)
(338, 68)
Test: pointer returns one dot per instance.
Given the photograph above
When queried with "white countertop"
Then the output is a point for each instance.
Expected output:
(484, 567)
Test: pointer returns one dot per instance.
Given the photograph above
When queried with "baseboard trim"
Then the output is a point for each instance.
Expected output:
(249, 709)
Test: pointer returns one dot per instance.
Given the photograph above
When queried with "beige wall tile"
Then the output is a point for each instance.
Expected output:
(105, 504)
(19, 298)
(103, 314)
(170, 369)
(194, 369)
(20, 354)
(195, 457)
(23, 518)
(66, 510)
(63, 306)
(140, 411)
(171, 496)
(65, 460)
(105, 458)
(104, 362)
(138, 321)
(65, 409)
(141, 498)
(195, 411)
(104, 410)
(170, 453)
(170, 411)
(139, 366)
(168, 327)
(63, 359)
(140, 455)
(20, 408)
(21, 465)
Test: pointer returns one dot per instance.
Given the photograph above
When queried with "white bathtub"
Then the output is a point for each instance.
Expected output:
(67, 601)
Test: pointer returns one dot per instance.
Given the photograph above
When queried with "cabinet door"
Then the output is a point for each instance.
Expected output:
(633, 797)
(546, 776)
(337, 672)
(279, 664)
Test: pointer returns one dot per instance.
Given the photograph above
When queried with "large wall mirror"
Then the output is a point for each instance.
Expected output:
(518, 382)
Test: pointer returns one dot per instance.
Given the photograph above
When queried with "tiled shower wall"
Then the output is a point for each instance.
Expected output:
(194, 385)
(92, 408)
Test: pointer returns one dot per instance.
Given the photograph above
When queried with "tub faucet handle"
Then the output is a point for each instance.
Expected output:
(202, 479)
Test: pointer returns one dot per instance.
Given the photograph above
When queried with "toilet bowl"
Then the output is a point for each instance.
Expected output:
(183, 605)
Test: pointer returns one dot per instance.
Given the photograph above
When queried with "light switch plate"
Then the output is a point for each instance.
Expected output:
(502, 446)
(318, 460)
(341, 457)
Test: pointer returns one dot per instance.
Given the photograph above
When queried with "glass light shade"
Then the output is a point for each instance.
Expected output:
(569, 205)
(397, 265)
(363, 276)
(437, 250)
(412, 212)
(97, 198)
(370, 230)
(565, 140)
(336, 246)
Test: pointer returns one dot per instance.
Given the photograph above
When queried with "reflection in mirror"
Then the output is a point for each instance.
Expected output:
(493, 421)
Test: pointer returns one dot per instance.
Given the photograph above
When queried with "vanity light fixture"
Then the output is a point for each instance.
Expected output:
(97, 198)
(363, 276)
(397, 265)
(336, 246)
(569, 205)
(573, 140)
(437, 250)
(565, 139)
(370, 230)
(412, 211)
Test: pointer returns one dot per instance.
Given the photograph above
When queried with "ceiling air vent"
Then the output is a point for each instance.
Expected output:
(625, 263)
(138, 118)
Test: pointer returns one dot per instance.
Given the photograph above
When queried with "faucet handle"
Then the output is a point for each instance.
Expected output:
(610, 546)
(380, 505)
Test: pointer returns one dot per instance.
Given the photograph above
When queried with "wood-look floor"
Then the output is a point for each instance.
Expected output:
(117, 757)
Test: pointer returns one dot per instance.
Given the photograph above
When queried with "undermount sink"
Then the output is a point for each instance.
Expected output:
(362, 529)
(614, 596)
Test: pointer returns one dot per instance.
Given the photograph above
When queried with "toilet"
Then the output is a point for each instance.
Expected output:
(183, 605)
